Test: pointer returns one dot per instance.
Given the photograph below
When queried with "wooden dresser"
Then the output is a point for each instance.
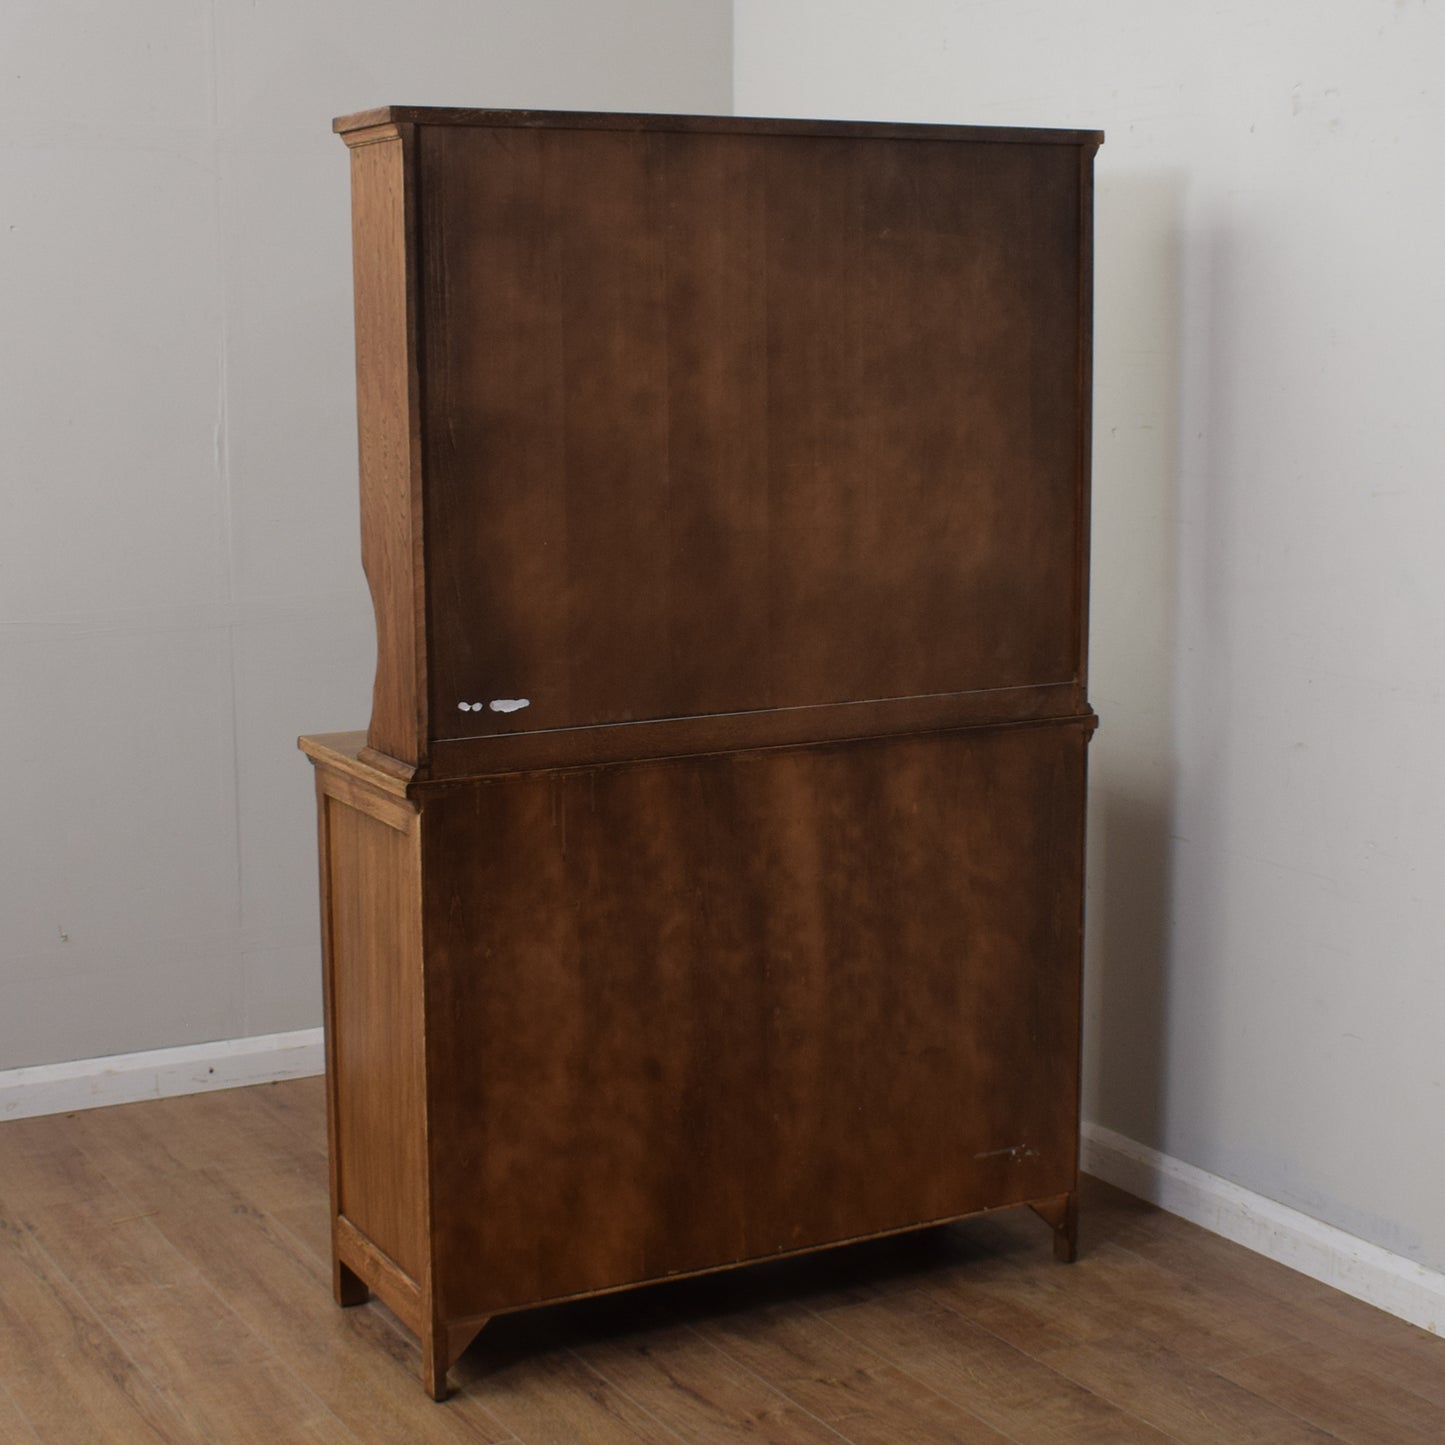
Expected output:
(708, 883)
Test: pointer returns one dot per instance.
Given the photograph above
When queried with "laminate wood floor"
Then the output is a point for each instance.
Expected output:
(164, 1276)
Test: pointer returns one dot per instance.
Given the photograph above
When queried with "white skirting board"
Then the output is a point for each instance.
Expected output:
(157, 1073)
(1388, 1281)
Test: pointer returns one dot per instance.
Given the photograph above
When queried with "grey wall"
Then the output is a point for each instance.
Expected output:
(1268, 829)
(180, 586)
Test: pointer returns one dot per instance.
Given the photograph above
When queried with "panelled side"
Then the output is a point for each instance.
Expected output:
(376, 1083)
(1084, 463)
(389, 434)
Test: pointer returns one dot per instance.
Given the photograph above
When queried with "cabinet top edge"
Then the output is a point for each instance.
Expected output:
(708, 124)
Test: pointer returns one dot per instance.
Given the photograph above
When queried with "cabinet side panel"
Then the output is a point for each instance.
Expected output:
(389, 440)
(376, 1030)
(714, 1009)
(1086, 400)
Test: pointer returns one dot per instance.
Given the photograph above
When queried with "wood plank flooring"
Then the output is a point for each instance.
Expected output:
(164, 1276)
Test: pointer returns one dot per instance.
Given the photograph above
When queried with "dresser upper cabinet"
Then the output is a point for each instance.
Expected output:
(688, 433)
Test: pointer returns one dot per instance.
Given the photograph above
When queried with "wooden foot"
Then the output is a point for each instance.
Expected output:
(440, 1347)
(348, 1286)
(1061, 1214)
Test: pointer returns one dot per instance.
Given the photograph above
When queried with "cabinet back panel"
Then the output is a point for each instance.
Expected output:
(715, 423)
(712, 1009)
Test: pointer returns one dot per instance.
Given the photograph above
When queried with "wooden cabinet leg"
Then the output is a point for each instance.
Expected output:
(1066, 1241)
(435, 1362)
(441, 1345)
(1061, 1214)
(348, 1286)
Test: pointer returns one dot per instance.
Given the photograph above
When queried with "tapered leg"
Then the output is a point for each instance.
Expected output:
(441, 1345)
(348, 1286)
(1061, 1214)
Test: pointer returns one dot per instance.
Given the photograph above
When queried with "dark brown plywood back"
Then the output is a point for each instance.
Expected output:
(716, 423)
(714, 1009)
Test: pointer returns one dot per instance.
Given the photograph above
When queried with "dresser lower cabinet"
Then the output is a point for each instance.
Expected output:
(593, 1027)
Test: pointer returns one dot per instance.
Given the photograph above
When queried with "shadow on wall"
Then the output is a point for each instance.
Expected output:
(1136, 472)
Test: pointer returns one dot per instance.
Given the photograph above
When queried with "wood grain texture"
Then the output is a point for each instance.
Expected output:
(457, 758)
(353, 127)
(230, 1221)
(62, 1368)
(174, 1345)
(1016, 1394)
(1180, 1395)
(344, 754)
(857, 1393)
(373, 933)
(13, 1424)
(702, 1396)
(234, 1185)
(389, 433)
(654, 412)
(1338, 1390)
(696, 1048)
(693, 402)
(1085, 423)
(751, 459)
